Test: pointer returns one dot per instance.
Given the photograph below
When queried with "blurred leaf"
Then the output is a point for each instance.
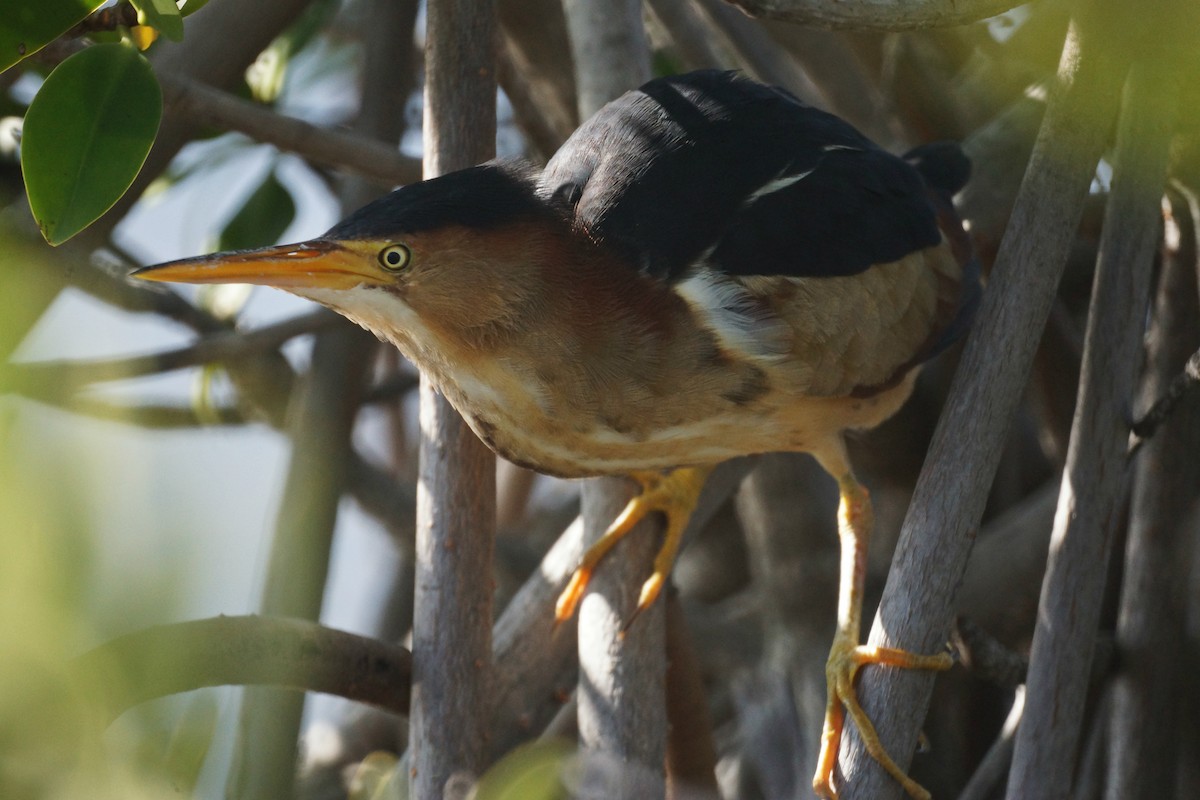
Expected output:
(190, 742)
(530, 772)
(262, 219)
(30, 26)
(266, 75)
(379, 776)
(86, 136)
(163, 15)
(192, 6)
(665, 62)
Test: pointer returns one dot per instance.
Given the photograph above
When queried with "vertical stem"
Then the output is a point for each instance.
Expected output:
(320, 423)
(622, 702)
(919, 599)
(456, 496)
(610, 49)
(1072, 591)
(1144, 719)
(622, 699)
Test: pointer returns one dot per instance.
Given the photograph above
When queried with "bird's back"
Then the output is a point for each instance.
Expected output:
(802, 245)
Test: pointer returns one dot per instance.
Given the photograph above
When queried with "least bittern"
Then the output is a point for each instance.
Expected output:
(707, 268)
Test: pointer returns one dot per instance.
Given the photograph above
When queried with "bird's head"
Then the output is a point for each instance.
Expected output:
(458, 256)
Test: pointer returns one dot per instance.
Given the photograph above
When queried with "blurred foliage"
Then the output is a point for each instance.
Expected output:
(53, 737)
(261, 219)
(162, 15)
(267, 74)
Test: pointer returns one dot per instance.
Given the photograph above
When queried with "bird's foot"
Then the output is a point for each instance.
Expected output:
(845, 658)
(673, 494)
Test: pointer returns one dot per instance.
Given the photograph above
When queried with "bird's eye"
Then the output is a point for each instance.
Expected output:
(394, 257)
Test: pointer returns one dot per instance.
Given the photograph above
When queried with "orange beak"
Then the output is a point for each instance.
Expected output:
(317, 264)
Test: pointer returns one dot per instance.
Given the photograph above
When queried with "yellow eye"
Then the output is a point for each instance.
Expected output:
(394, 257)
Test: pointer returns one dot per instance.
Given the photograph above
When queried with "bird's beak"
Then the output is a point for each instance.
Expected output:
(317, 264)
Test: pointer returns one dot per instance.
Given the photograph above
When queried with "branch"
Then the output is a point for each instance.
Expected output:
(537, 50)
(1146, 707)
(690, 33)
(243, 651)
(1165, 405)
(879, 15)
(160, 416)
(203, 105)
(622, 702)
(919, 599)
(766, 59)
(535, 660)
(67, 374)
(1095, 477)
(691, 751)
(987, 781)
(985, 656)
(456, 498)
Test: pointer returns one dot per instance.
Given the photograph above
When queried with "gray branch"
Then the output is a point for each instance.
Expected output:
(1095, 476)
(622, 704)
(880, 15)
(1145, 714)
(919, 600)
(201, 104)
(69, 374)
(456, 498)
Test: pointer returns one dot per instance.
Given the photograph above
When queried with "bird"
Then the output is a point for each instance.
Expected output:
(707, 268)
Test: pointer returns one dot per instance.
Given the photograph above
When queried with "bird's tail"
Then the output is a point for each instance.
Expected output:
(946, 170)
(943, 165)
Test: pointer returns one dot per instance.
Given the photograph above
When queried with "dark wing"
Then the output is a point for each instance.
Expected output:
(710, 166)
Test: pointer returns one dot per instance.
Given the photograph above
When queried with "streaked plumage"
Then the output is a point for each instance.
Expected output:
(707, 268)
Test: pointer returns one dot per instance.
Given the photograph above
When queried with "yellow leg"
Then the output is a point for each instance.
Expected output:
(846, 655)
(674, 494)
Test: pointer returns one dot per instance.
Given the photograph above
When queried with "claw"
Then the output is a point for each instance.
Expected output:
(846, 656)
(674, 495)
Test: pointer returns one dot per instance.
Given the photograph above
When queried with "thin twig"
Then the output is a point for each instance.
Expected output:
(154, 416)
(1165, 405)
(986, 657)
(68, 374)
(203, 105)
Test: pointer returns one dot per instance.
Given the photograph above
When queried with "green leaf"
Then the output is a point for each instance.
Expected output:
(266, 75)
(86, 136)
(29, 26)
(262, 219)
(530, 772)
(162, 15)
(192, 6)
